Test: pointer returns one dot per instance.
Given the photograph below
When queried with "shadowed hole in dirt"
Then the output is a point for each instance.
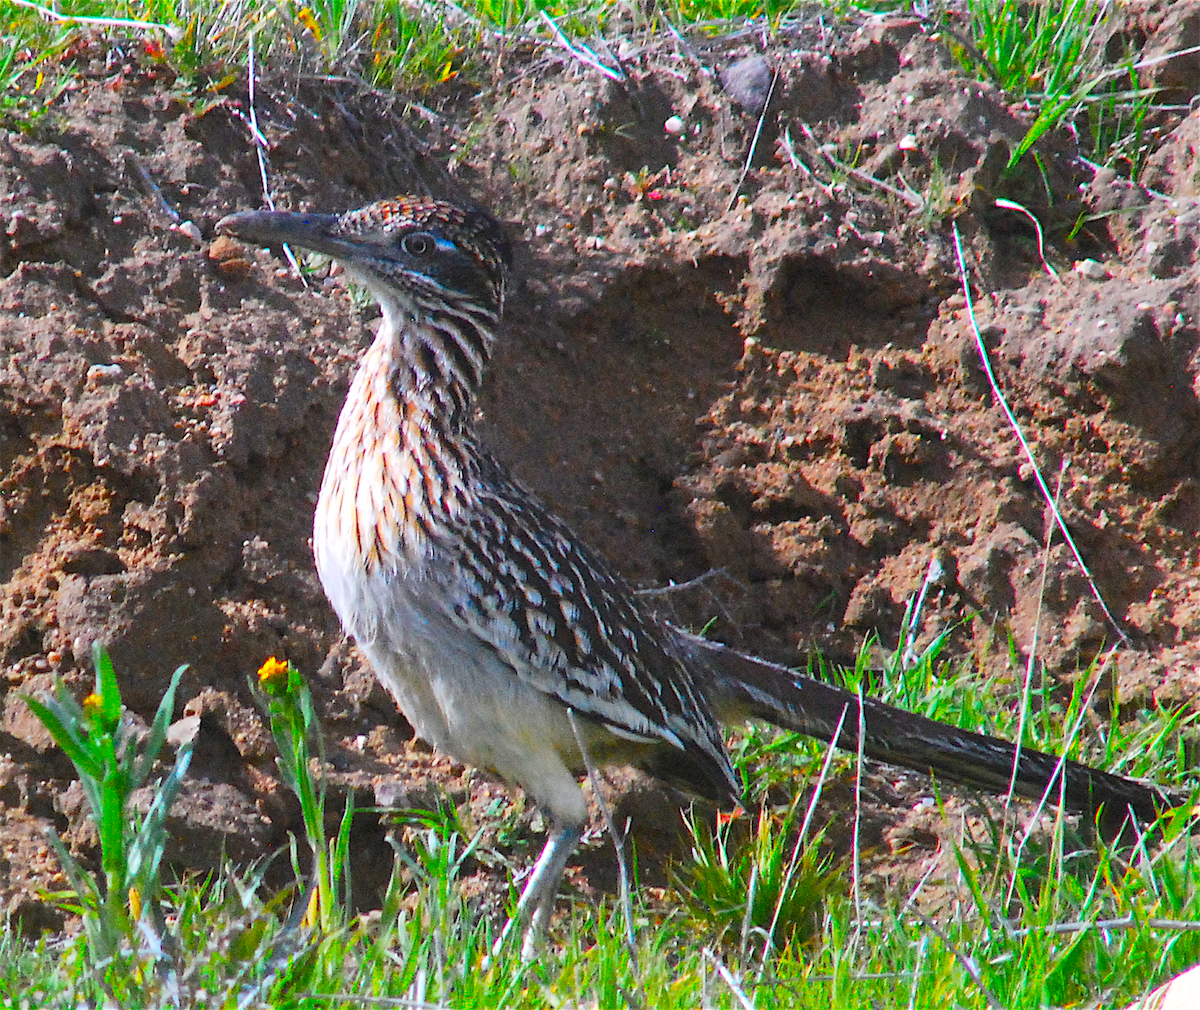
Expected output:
(860, 436)
(631, 131)
(24, 640)
(817, 306)
(612, 406)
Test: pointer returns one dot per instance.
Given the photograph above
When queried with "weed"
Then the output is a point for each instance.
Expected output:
(1116, 121)
(288, 701)
(26, 93)
(939, 196)
(111, 763)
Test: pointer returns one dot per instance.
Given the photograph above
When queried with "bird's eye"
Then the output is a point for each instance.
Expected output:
(417, 244)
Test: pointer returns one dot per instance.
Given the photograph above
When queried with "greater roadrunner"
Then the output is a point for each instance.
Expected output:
(506, 642)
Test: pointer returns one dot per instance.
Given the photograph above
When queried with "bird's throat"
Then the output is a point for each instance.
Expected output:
(398, 472)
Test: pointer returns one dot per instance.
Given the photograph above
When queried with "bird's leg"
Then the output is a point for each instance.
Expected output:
(537, 899)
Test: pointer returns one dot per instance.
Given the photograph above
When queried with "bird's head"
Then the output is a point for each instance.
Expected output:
(413, 254)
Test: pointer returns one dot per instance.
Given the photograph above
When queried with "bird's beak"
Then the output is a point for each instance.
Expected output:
(318, 232)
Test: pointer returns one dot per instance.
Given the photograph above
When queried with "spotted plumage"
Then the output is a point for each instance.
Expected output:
(486, 618)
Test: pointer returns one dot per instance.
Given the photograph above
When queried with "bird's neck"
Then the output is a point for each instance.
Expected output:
(436, 362)
(402, 464)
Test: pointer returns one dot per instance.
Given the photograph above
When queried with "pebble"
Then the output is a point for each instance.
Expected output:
(223, 247)
(748, 82)
(1093, 270)
(191, 230)
(97, 372)
(228, 257)
(673, 126)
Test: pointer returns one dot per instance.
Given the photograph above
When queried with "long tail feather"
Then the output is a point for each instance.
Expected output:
(742, 686)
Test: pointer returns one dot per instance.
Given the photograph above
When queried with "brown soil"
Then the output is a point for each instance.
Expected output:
(782, 385)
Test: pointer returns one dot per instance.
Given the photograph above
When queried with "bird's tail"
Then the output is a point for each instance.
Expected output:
(742, 686)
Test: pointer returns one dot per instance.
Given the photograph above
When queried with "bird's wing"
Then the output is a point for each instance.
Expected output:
(569, 625)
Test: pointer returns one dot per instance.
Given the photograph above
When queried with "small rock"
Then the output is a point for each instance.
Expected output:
(226, 254)
(673, 126)
(105, 373)
(235, 269)
(183, 730)
(748, 82)
(1093, 270)
(223, 248)
(191, 230)
(908, 143)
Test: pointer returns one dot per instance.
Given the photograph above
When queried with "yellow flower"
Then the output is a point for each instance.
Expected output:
(135, 903)
(93, 715)
(305, 17)
(273, 677)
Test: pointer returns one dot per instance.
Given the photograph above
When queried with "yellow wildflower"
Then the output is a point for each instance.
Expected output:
(93, 715)
(273, 677)
(305, 17)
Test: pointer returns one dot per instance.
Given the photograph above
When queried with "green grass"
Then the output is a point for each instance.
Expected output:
(755, 913)
(1052, 53)
(1049, 53)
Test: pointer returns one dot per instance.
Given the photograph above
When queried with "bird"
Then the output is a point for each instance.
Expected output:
(507, 643)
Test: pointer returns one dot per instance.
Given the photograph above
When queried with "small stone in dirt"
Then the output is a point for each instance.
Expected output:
(191, 230)
(223, 248)
(226, 254)
(1092, 270)
(105, 373)
(673, 126)
(748, 82)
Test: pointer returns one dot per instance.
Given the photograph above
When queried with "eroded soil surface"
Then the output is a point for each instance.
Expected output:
(720, 353)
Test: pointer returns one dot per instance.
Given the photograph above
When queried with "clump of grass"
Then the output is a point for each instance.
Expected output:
(1053, 53)
(1047, 48)
(764, 887)
(26, 91)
